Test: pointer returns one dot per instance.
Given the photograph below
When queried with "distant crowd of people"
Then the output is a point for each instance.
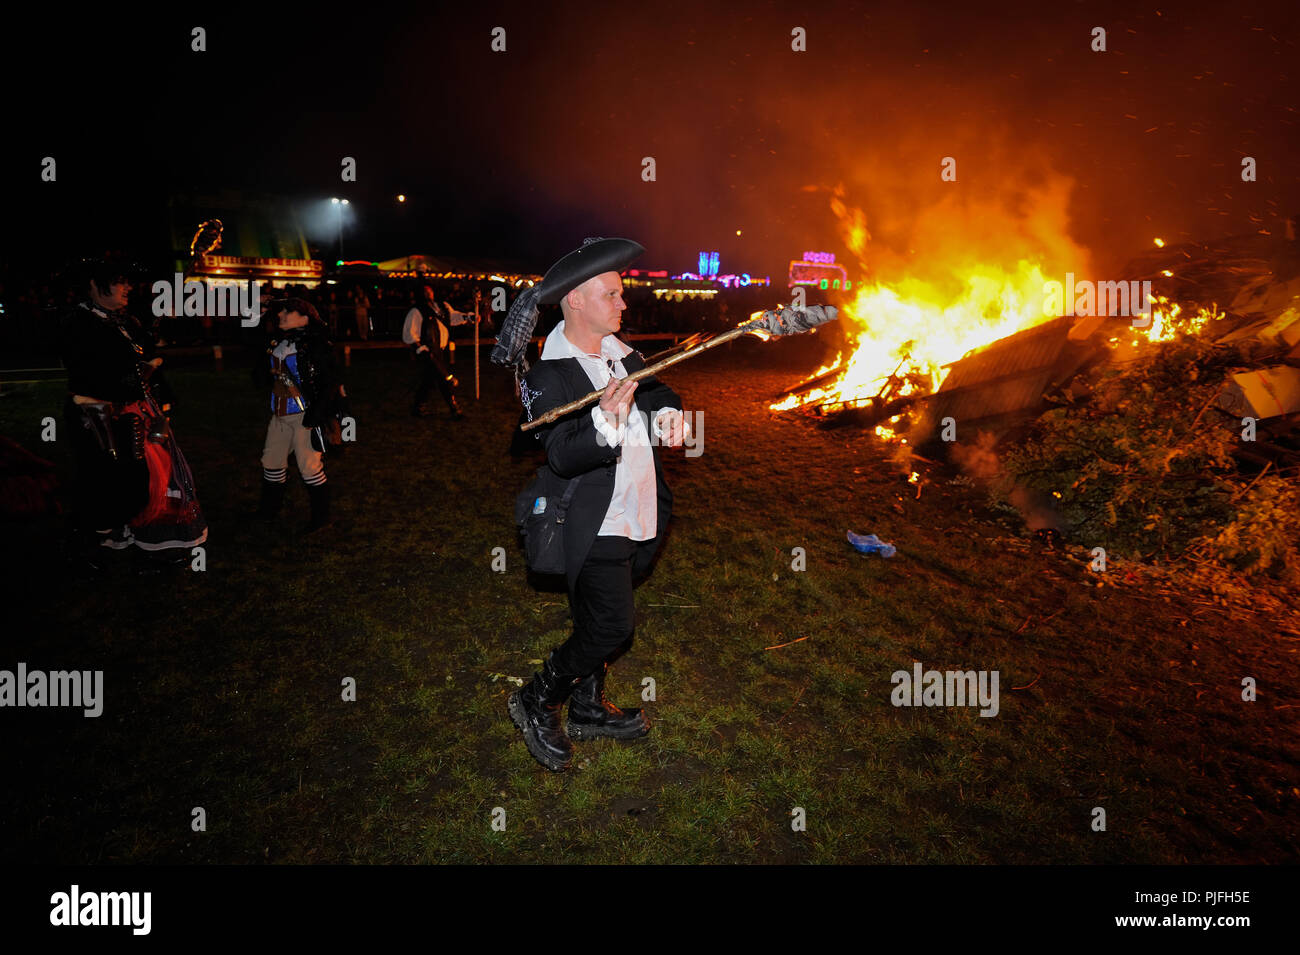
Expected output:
(351, 312)
(360, 311)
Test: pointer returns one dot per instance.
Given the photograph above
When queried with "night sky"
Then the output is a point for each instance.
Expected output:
(521, 154)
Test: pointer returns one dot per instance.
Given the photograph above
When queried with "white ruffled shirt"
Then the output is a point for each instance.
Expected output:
(413, 325)
(634, 509)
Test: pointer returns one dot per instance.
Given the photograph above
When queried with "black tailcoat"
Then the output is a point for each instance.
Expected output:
(572, 449)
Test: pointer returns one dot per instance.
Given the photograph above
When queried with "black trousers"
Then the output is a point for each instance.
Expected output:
(434, 373)
(601, 601)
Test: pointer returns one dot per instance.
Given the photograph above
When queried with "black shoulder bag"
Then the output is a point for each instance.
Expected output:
(539, 515)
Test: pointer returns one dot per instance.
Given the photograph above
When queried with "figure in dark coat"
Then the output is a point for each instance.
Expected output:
(134, 486)
(619, 513)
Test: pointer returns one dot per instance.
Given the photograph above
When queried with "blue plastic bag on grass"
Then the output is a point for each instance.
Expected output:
(871, 544)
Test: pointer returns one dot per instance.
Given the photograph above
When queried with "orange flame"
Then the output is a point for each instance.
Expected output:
(912, 330)
(903, 333)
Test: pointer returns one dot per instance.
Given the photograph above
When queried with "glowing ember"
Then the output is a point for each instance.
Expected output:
(1167, 321)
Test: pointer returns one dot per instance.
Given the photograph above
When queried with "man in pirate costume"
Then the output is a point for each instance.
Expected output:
(134, 487)
(300, 374)
(425, 330)
(620, 508)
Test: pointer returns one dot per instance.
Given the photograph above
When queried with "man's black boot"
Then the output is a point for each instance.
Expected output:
(319, 496)
(591, 715)
(445, 386)
(535, 710)
(272, 499)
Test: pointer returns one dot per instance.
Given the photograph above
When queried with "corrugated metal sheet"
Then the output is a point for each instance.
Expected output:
(1009, 376)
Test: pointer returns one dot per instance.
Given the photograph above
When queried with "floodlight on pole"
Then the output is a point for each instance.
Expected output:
(339, 204)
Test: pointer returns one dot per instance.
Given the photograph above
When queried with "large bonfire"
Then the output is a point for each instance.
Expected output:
(920, 312)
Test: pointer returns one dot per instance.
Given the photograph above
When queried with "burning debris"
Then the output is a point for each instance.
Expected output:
(1002, 380)
(1168, 436)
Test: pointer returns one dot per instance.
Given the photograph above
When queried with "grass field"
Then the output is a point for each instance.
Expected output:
(224, 688)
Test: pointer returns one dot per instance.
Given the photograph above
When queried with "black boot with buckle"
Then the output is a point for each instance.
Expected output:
(535, 710)
(591, 715)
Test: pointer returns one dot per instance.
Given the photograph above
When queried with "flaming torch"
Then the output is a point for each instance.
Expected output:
(792, 320)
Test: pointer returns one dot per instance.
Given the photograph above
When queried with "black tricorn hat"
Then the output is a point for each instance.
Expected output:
(596, 257)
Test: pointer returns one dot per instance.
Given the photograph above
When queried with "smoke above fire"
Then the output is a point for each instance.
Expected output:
(921, 228)
(944, 267)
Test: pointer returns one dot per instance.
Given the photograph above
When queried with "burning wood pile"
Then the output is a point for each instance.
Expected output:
(1172, 436)
(1243, 293)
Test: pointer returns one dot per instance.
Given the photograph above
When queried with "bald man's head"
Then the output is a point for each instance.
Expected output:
(595, 308)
